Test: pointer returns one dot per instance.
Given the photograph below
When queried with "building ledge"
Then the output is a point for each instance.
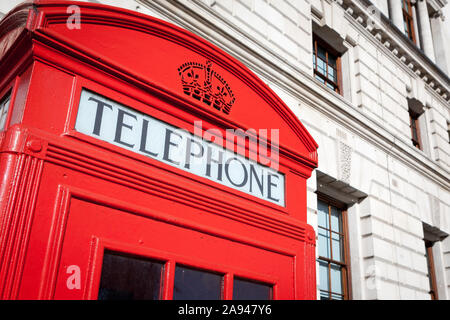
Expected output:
(400, 46)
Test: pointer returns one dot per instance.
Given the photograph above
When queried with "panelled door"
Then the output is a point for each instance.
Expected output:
(112, 253)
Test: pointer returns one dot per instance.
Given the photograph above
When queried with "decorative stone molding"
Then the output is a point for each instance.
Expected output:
(358, 10)
(345, 162)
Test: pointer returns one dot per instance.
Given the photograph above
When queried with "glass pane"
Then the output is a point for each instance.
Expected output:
(249, 290)
(129, 278)
(321, 66)
(191, 284)
(4, 107)
(320, 79)
(338, 254)
(329, 85)
(324, 295)
(332, 61)
(324, 243)
(336, 224)
(314, 61)
(322, 212)
(321, 53)
(332, 74)
(336, 278)
(337, 297)
(323, 276)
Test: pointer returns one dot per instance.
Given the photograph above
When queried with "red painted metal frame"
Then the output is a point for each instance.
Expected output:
(65, 196)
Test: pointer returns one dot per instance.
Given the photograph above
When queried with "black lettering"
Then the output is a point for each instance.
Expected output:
(189, 152)
(120, 124)
(144, 139)
(260, 183)
(99, 114)
(219, 162)
(270, 185)
(227, 165)
(167, 144)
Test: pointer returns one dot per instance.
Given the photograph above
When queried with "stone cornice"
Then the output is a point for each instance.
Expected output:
(399, 45)
(202, 20)
(437, 4)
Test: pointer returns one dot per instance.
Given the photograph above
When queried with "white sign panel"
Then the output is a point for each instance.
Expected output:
(122, 126)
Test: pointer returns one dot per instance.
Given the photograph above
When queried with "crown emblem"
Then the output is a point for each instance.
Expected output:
(204, 84)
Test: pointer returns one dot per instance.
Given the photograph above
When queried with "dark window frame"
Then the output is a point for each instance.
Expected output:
(345, 265)
(431, 270)
(408, 19)
(415, 129)
(329, 51)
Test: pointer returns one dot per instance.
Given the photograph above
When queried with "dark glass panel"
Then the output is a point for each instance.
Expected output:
(332, 61)
(321, 53)
(192, 284)
(249, 290)
(129, 278)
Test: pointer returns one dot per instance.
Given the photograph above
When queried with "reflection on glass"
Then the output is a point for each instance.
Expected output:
(321, 66)
(324, 243)
(192, 284)
(337, 247)
(129, 278)
(336, 278)
(335, 219)
(322, 209)
(249, 290)
(323, 276)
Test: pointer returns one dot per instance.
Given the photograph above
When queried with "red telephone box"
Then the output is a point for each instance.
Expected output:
(122, 176)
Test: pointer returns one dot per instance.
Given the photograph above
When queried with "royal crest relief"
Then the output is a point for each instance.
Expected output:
(204, 84)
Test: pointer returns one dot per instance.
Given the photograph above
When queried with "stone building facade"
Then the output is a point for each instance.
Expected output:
(370, 81)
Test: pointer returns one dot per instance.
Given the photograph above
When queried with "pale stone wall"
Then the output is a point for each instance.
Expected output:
(364, 136)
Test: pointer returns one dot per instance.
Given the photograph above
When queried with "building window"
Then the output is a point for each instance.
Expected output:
(408, 21)
(431, 270)
(415, 130)
(326, 65)
(333, 253)
(4, 108)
